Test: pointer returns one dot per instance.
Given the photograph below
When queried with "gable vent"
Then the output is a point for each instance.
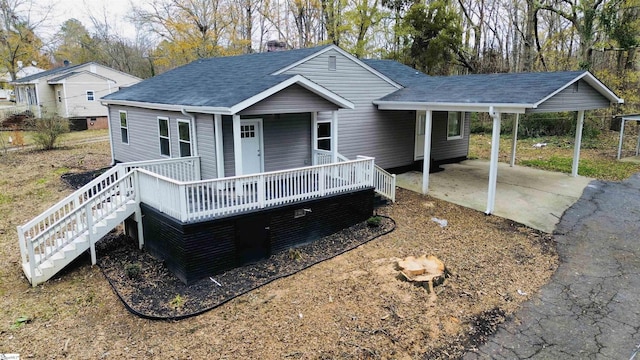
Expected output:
(332, 63)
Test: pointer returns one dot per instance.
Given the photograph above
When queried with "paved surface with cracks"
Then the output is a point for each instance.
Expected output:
(591, 307)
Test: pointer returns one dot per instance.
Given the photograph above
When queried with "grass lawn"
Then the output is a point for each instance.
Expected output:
(350, 307)
(597, 156)
(73, 136)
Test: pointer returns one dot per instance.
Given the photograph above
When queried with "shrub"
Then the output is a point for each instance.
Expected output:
(133, 271)
(374, 221)
(48, 129)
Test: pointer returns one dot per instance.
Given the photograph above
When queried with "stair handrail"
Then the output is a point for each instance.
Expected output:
(385, 183)
(82, 226)
(73, 196)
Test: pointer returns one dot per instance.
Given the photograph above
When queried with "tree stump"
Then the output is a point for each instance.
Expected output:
(425, 269)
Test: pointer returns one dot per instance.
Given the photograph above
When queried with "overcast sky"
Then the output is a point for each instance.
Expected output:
(116, 12)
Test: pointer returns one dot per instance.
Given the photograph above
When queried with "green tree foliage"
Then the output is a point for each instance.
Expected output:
(18, 40)
(76, 44)
(436, 36)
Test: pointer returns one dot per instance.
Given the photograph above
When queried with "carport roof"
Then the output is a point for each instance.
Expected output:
(510, 90)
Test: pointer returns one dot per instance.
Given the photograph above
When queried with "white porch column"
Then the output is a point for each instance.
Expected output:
(334, 136)
(638, 143)
(493, 165)
(577, 144)
(217, 123)
(514, 141)
(237, 145)
(428, 124)
(314, 138)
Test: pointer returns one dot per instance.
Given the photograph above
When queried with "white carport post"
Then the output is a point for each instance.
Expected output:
(237, 145)
(217, 119)
(577, 144)
(493, 165)
(622, 138)
(514, 141)
(428, 124)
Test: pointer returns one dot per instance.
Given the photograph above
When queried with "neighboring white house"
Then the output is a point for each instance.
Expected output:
(72, 91)
(22, 72)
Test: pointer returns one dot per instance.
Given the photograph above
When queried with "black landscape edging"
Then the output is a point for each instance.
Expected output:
(199, 312)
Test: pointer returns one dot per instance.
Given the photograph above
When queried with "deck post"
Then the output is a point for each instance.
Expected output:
(577, 144)
(428, 124)
(638, 143)
(493, 165)
(219, 145)
(514, 141)
(138, 213)
(92, 246)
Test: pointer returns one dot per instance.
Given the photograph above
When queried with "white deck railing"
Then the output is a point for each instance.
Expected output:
(383, 181)
(196, 200)
(181, 169)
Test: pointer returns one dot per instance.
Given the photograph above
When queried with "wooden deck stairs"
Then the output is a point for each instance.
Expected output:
(65, 231)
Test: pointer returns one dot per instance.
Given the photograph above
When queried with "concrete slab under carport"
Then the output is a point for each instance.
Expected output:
(532, 197)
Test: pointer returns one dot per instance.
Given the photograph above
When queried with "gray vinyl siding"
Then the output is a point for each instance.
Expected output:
(294, 99)
(385, 135)
(578, 96)
(144, 141)
(287, 141)
(443, 149)
(206, 146)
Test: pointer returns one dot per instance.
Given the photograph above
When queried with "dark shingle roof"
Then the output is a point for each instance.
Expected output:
(400, 73)
(215, 82)
(58, 70)
(512, 88)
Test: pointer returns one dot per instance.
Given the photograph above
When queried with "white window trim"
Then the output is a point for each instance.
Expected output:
(318, 138)
(124, 127)
(93, 95)
(168, 137)
(461, 119)
(190, 135)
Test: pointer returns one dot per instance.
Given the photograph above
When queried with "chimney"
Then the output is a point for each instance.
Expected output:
(275, 45)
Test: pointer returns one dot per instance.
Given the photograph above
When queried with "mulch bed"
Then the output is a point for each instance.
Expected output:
(148, 289)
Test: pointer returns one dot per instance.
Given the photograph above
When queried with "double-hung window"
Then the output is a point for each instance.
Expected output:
(184, 137)
(455, 125)
(163, 134)
(124, 128)
(324, 135)
(90, 95)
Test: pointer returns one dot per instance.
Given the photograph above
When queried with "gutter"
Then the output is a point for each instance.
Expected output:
(195, 130)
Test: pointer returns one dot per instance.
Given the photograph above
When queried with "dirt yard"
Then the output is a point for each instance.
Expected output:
(349, 307)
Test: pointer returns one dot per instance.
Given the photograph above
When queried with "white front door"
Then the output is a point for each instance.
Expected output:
(251, 139)
(419, 149)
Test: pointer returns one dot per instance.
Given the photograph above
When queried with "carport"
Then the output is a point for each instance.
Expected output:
(497, 94)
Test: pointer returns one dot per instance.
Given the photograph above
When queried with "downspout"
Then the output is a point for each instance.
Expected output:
(195, 131)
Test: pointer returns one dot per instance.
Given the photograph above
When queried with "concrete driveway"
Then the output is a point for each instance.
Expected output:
(532, 197)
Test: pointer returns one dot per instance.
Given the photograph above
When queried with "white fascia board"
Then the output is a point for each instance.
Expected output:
(167, 107)
(591, 80)
(438, 106)
(296, 79)
(345, 54)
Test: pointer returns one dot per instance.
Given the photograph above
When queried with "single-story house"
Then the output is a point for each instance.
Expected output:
(72, 91)
(231, 159)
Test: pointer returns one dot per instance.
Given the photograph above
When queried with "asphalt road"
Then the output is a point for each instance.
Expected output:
(591, 307)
